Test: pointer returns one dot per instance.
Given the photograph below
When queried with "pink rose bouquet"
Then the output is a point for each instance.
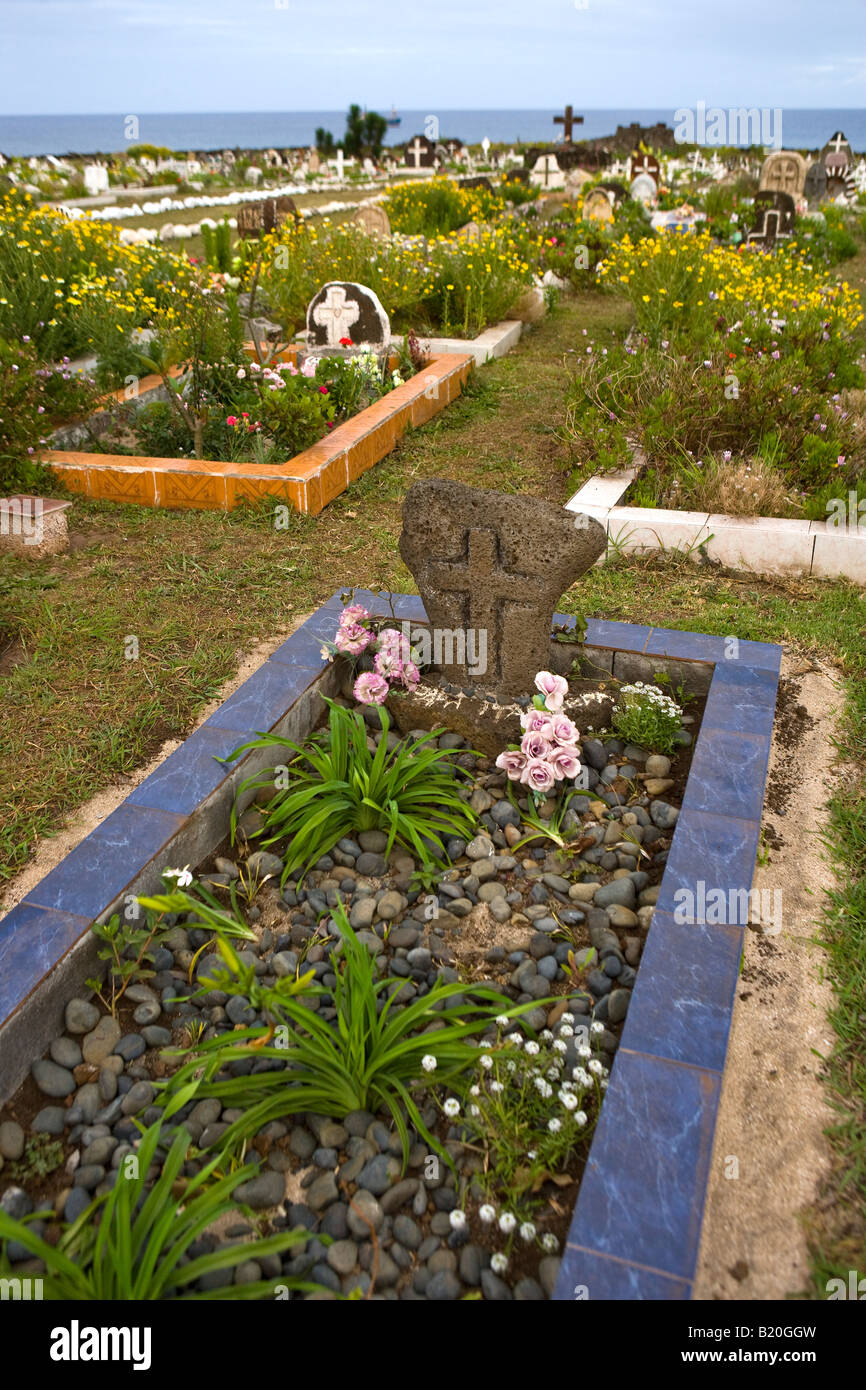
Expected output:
(548, 751)
(389, 650)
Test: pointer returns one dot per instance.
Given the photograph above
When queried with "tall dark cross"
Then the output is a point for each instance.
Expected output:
(568, 121)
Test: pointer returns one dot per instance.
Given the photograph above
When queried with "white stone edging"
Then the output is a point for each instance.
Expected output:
(760, 544)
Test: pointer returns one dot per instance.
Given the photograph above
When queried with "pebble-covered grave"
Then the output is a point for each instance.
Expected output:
(546, 898)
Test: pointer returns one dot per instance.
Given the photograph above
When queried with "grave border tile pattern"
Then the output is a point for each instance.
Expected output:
(667, 1075)
(310, 480)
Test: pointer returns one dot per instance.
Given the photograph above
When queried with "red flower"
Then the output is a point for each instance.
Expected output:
(323, 390)
(345, 342)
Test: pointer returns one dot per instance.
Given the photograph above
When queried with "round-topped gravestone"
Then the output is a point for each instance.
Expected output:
(784, 171)
(815, 186)
(643, 189)
(374, 220)
(341, 310)
(597, 208)
(837, 153)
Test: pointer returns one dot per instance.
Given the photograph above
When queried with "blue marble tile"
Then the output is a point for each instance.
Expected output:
(304, 647)
(404, 605)
(741, 699)
(627, 637)
(261, 701)
(189, 774)
(682, 1002)
(727, 774)
(586, 1275)
(703, 646)
(643, 1189)
(32, 941)
(718, 851)
(94, 873)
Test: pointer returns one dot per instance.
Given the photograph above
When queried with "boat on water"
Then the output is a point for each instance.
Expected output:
(394, 119)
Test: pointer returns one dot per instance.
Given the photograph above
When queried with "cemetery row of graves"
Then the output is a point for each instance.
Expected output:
(353, 1017)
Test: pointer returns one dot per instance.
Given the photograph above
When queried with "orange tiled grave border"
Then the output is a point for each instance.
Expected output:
(309, 481)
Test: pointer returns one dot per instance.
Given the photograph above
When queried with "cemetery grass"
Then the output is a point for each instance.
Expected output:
(198, 589)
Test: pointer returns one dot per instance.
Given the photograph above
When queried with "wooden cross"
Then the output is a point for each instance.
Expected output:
(416, 150)
(493, 604)
(568, 121)
(838, 141)
(336, 314)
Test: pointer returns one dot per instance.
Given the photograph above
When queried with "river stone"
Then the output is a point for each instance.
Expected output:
(65, 1053)
(81, 1016)
(657, 765)
(494, 565)
(11, 1140)
(100, 1042)
(620, 891)
(266, 1190)
(52, 1080)
(663, 815)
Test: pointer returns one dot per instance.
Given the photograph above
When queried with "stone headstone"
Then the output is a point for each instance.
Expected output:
(837, 153)
(470, 232)
(95, 179)
(314, 163)
(784, 171)
(616, 191)
(815, 185)
(596, 207)
(644, 164)
(253, 174)
(342, 309)
(374, 220)
(575, 180)
(368, 166)
(546, 172)
(492, 564)
(774, 217)
(255, 218)
(643, 189)
(420, 153)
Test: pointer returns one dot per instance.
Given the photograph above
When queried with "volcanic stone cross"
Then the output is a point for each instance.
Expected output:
(568, 121)
(336, 314)
(491, 568)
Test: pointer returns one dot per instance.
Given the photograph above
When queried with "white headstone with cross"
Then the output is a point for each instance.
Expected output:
(344, 311)
(418, 152)
(546, 172)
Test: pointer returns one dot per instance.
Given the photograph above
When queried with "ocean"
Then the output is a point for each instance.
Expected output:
(214, 130)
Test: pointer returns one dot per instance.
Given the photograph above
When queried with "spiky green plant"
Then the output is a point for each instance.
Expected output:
(335, 786)
(129, 1243)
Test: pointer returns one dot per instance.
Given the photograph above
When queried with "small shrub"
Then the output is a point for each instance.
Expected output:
(646, 717)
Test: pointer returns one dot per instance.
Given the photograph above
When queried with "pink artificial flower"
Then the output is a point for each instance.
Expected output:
(535, 745)
(534, 721)
(309, 366)
(564, 762)
(537, 775)
(512, 762)
(388, 664)
(411, 675)
(370, 689)
(353, 639)
(231, 420)
(562, 731)
(354, 613)
(553, 688)
(394, 642)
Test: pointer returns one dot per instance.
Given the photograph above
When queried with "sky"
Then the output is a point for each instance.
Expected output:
(139, 56)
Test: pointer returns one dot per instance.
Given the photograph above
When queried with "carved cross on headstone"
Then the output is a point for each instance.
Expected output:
(336, 314)
(416, 150)
(568, 122)
(491, 569)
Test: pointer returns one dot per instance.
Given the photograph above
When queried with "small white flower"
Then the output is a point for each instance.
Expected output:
(486, 1062)
(566, 1032)
(515, 1039)
(584, 1050)
(527, 1231)
(474, 1111)
(451, 1107)
(496, 1087)
(580, 1117)
(511, 1068)
(533, 1154)
(475, 1090)
(581, 1077)
(568, 1100)
(560, 1046)
(487, 1214)
(596, 1028)
(554, 1125)
(183, 876)
(603, 1083)
(457, 1219)
(546, 1036)
(428, 1062)
(503, 1020)
(550, 1243)
(241, 373)
(507, 1222)
(532, 1049)
(595, 1067)
(485, 1042)
(498, 1263)
(568, 1020)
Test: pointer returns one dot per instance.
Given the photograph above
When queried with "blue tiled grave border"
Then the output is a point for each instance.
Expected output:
(637, 1221)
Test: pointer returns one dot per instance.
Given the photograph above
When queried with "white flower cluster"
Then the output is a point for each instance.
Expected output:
(651, 695)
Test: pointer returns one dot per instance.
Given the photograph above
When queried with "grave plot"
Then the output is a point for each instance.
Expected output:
(270, 422)
(518, 864)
